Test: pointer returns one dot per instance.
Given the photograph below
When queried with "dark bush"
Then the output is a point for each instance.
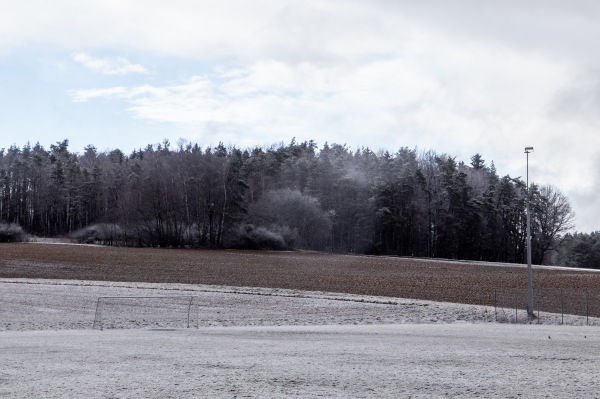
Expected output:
(294, 215)
(251, 237)
(104, 233)
(11, 233)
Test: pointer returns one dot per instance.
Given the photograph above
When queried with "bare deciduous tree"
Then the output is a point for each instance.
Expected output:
(552, 216)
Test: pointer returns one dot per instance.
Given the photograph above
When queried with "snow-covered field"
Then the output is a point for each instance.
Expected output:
(250, 342)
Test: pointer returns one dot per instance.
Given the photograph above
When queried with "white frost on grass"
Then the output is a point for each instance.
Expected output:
(389, 361)
(270, 343)
(36, 304)
(33, 304)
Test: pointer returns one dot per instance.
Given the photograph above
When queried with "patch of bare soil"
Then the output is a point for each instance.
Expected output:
(461, 282)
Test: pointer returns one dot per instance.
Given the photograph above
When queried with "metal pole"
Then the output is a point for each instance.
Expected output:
(562, 307)
(495, 306)
(188, 311)
(529, 274)
(98, 315)
(587, 309)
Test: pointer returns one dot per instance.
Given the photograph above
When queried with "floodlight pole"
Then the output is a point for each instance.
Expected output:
(529, 274)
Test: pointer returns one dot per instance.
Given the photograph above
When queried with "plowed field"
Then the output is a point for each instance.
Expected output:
(450, 281)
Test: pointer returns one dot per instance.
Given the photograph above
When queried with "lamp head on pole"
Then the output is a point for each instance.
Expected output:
(528, 150)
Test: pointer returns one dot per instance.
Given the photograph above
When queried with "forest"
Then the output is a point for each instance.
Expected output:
(286, 196)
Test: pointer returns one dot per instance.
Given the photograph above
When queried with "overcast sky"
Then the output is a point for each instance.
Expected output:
(459, 77)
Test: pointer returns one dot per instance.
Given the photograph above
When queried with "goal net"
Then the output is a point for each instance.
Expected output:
(143, 312)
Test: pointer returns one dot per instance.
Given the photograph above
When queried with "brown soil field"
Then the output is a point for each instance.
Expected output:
(574, 291)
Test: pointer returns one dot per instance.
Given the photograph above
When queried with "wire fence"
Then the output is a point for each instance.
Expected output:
(550, 306)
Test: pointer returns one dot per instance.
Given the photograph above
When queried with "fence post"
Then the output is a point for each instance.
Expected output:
(516, 311)
(188, 312)
(495, 308)
(562, 307)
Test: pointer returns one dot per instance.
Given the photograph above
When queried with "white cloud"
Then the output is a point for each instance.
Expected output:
(85, 95)
(390, 70)
(585, 198)
(108, 66)
(395, 100)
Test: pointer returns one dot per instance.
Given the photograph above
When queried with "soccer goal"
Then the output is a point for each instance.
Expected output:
(128, 312)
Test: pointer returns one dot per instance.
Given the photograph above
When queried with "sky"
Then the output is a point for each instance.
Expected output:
(458, 77)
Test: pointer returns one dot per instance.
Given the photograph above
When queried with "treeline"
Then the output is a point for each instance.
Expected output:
(406, 203)
(580, 250)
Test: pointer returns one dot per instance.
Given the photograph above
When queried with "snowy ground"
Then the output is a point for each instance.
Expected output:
(67, 304)
(279, 343)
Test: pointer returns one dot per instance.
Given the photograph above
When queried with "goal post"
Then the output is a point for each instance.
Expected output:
(128, 312)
